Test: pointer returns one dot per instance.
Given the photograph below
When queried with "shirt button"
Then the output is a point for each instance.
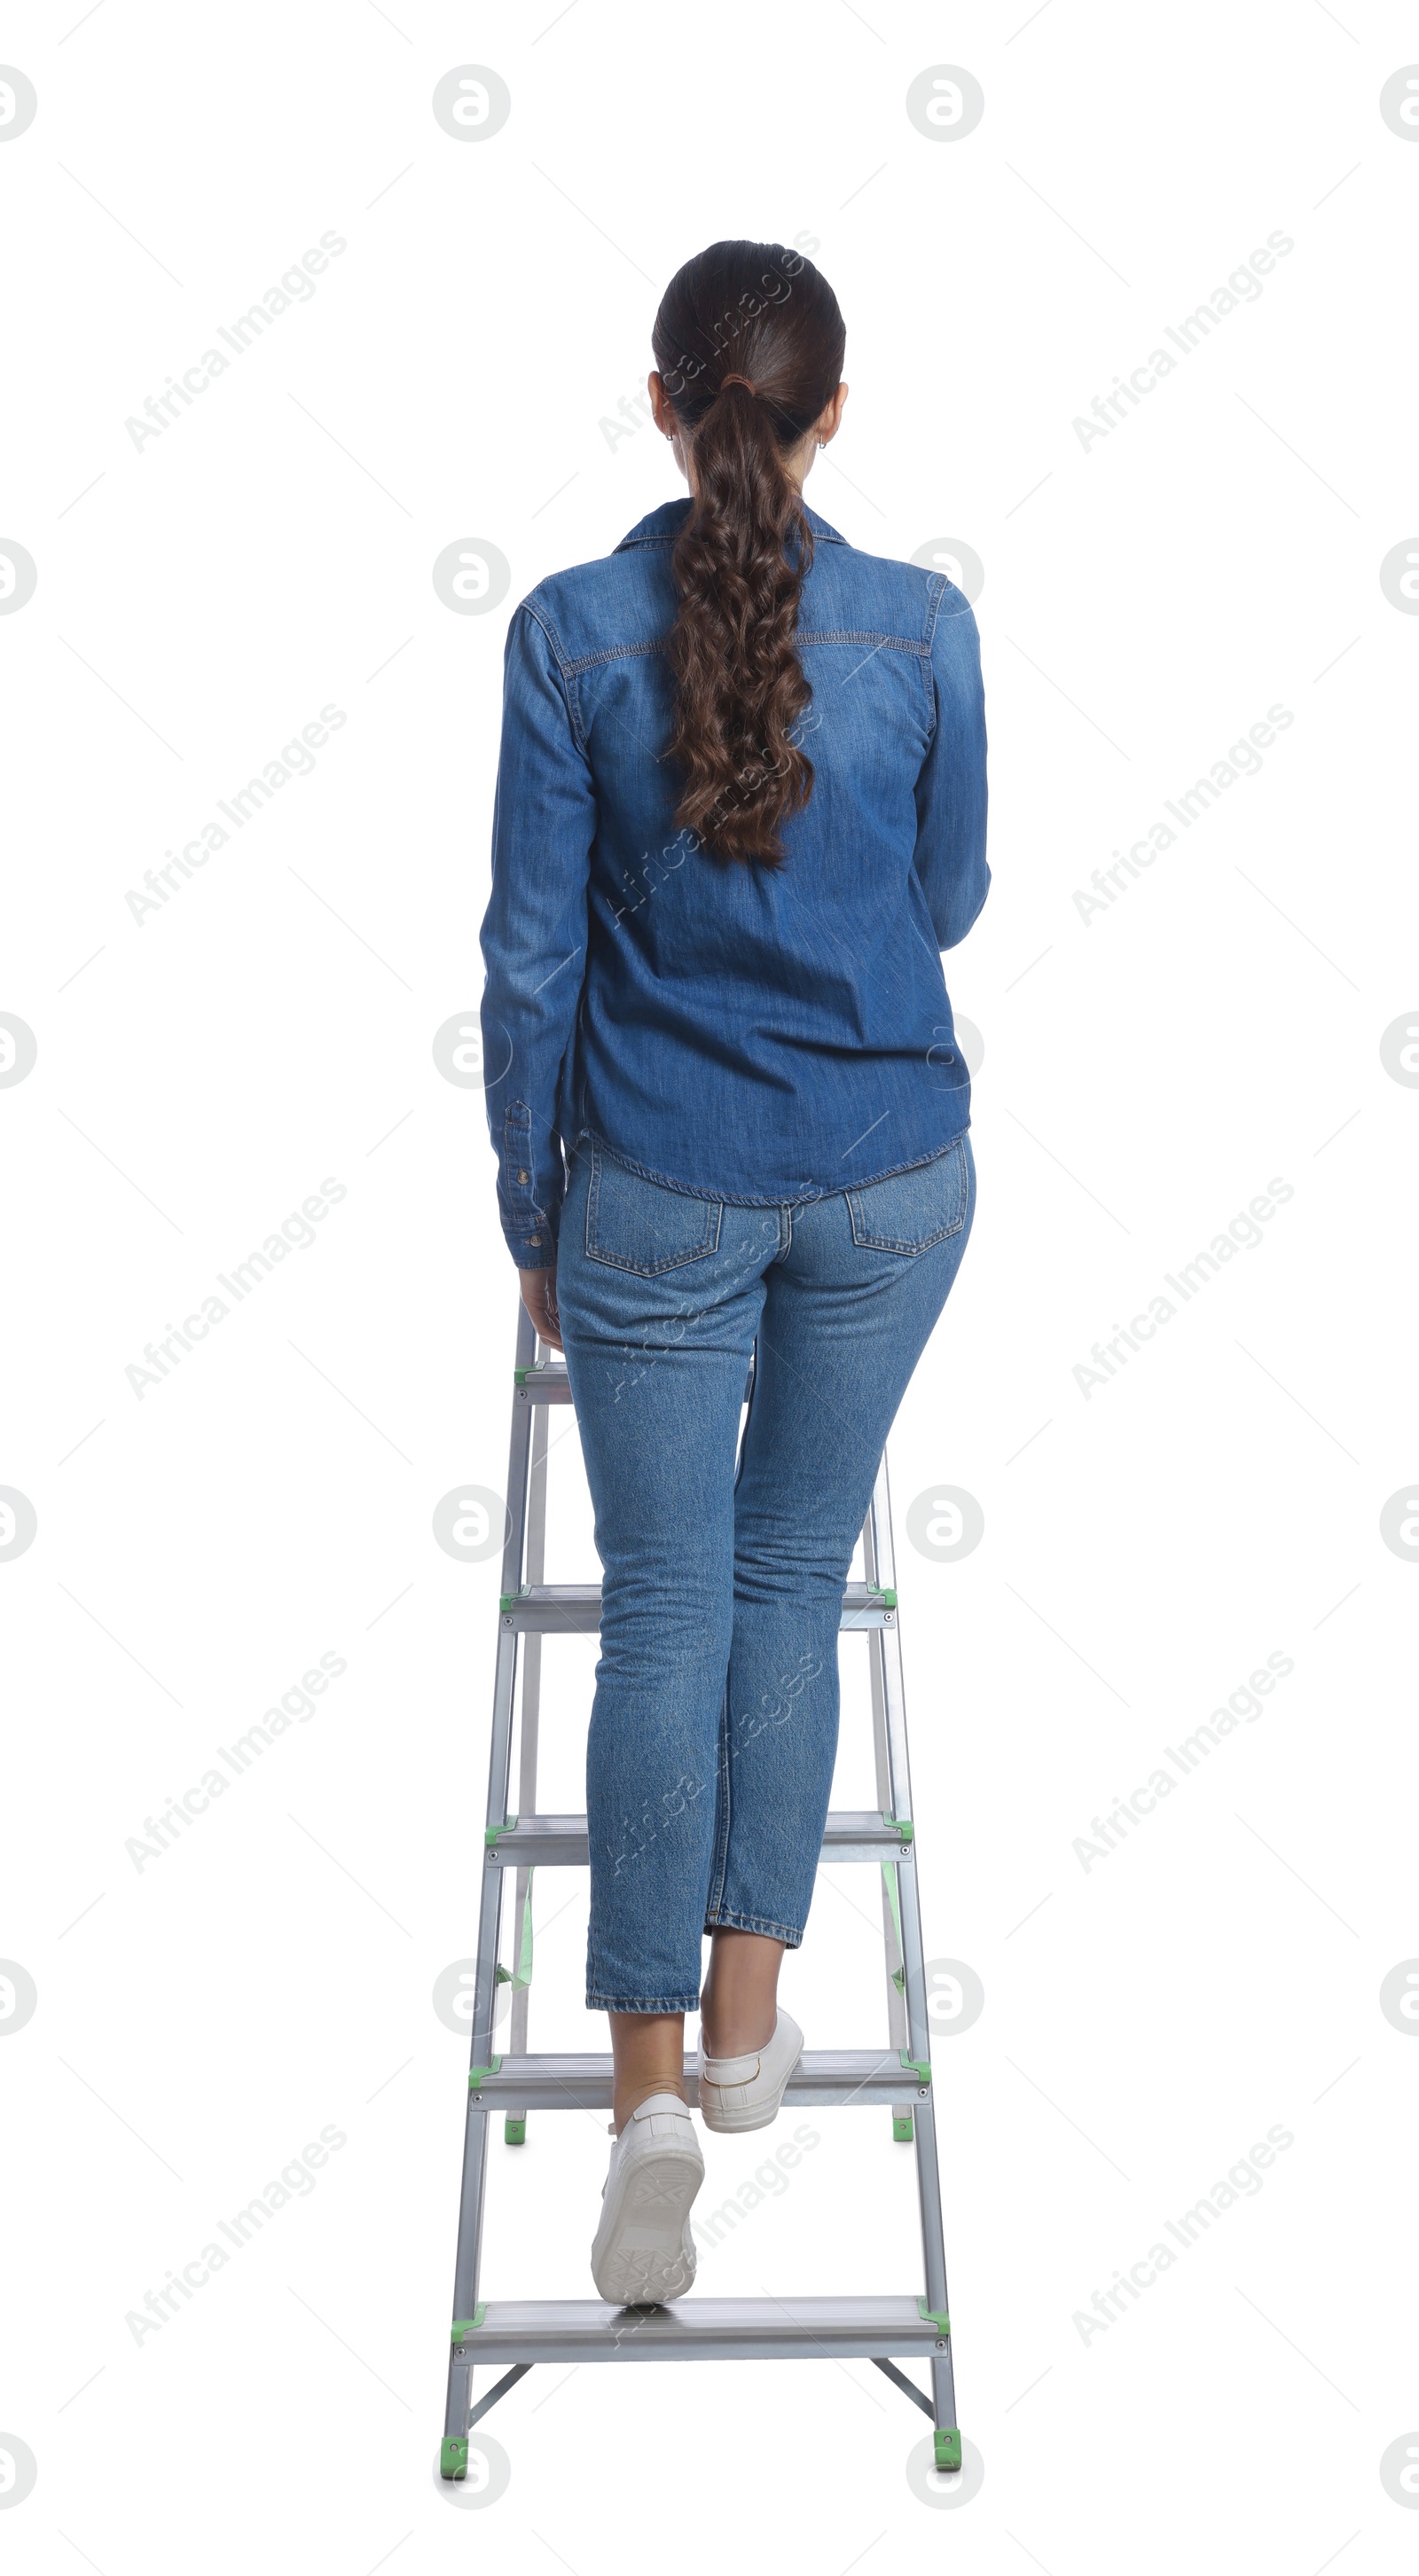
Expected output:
(534, 1239)
(522, 1176)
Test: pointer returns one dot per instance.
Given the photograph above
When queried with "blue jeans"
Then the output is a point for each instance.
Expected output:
(715, 1721)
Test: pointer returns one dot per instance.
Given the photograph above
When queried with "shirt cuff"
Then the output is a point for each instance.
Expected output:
(533, 1251)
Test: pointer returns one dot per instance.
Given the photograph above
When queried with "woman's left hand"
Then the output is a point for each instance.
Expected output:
(539, 1296)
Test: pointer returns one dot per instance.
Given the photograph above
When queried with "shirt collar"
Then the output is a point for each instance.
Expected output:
(663, 525)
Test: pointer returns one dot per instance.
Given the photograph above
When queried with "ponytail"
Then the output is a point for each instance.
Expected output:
(741, 557)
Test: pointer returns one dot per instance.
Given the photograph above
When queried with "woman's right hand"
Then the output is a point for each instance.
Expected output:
(539, 1296)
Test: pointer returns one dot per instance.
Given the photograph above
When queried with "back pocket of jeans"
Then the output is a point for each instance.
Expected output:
(912, 1209)
(635, 1224)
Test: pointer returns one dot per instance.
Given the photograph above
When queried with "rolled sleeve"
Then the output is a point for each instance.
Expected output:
(534, 932)
(951, 788)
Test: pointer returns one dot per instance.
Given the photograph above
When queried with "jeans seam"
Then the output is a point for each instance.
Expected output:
(720, 1920)
(644, 2003)
(720, 1861)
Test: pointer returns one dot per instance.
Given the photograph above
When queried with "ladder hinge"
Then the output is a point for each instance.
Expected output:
(491, 1832)
(468, 2325)
(930, 2316)
(901, 1826)
(920, 2067)
(477, 2073)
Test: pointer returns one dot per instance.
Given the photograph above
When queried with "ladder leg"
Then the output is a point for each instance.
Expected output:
(475, 2120)
(454, 2456)
(943, 2390)
(933, 2246)
(891, 1929)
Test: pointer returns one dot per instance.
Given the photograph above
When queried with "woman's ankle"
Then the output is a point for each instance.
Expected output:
(625, 2101)
(737, 2034)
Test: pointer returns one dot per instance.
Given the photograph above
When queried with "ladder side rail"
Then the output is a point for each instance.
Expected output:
(933, 2243)
(536, 1567)
(485, 1971)
(475, 2125)
(475, 2119)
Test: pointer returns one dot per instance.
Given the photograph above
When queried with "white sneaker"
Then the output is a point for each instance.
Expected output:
(745, 2092)
(643, 2252)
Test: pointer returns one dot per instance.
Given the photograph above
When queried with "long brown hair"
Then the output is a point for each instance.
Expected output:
(757, 310)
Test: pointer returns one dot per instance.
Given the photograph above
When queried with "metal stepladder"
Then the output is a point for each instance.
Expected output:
(520, 2332)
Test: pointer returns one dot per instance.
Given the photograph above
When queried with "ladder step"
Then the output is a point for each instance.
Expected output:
(546, 1384)
(700, 2330)
(826, 2079)
(574, 1609)
(560, 1842)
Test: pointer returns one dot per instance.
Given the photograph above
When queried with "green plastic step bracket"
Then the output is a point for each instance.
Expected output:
(491, 1833)
(920, 2067)
(935, 2317)
(477, 2073)
(886, 1594)
(900, 1825)
(465, 2326)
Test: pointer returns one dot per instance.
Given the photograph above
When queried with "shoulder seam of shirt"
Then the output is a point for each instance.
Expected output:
(566, 671)
(934, 605)
(964, 609)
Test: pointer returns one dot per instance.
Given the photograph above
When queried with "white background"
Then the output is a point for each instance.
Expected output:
(1146, 1073)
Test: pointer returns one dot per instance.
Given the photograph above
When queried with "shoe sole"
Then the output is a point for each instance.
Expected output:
(733, 2123)
(643, 2256)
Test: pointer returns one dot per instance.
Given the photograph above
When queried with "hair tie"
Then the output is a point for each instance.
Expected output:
(736, 380)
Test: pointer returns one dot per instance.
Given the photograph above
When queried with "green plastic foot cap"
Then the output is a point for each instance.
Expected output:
(453, 2458)
(514, 2132)
(902, 2128)
(948, 2449)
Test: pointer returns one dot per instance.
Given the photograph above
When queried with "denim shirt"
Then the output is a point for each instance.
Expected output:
(740, 1033)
